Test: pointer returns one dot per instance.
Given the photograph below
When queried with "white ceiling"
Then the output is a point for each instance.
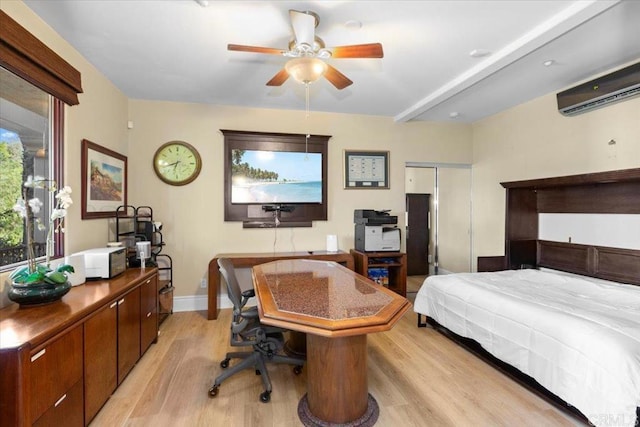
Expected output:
(176, 50)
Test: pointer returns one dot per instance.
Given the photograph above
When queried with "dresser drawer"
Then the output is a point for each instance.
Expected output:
(66, 411)
(54, 369)
(149, 295)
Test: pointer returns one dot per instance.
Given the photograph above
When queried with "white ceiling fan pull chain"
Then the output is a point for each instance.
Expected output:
(306, 100)
(308, 135)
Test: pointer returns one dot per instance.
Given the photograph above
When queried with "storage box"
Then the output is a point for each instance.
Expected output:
(165, 300)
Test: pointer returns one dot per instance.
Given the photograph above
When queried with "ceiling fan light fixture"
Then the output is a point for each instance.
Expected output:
(306, 69)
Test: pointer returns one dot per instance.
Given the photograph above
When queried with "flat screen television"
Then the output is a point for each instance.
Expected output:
(275, 177)
(269, 175)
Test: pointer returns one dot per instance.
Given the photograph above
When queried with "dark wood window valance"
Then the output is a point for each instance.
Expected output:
(30, 59)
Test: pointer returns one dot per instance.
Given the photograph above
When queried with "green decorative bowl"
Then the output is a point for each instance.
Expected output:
(37, 293)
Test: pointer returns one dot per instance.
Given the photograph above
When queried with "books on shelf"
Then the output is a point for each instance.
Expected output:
(380, 275)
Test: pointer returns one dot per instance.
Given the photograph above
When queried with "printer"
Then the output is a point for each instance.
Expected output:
(376, 231)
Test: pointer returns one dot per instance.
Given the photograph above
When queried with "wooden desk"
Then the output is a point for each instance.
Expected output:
(248, 260)
(336, 308)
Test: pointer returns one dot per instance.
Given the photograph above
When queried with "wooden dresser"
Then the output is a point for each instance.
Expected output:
(60, 362)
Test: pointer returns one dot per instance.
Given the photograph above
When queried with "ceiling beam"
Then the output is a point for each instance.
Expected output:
(573, 16)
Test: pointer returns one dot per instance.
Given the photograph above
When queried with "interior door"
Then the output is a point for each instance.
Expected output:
(450, 212)
(417, 234)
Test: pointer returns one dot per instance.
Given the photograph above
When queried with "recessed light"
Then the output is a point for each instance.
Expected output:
(454, 114)
(548, 62)
(352, 24)
(479, 53)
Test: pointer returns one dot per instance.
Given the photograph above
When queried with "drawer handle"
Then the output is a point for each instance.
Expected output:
(38, 354)
(149, 281)
(64, 396)
(121, 301)
(149, 314)
(114, 304)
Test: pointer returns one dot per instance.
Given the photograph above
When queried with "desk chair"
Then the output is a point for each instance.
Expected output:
(247, 331)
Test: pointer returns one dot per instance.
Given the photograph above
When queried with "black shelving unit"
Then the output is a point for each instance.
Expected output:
(136, 224)
(165, 286)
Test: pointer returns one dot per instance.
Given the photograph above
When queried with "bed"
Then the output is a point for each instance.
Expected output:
(565, 315)
(577, 336)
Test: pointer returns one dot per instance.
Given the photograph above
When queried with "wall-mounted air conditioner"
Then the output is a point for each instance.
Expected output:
(604, 90)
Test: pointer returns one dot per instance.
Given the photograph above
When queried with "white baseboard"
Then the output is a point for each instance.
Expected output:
(190, 303)
(197, 303)
(193, 303)
(201, 302)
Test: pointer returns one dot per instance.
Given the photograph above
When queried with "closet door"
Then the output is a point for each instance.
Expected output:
(417, 234)
(454, 220)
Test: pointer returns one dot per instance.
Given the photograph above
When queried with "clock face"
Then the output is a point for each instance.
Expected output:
(177, 163)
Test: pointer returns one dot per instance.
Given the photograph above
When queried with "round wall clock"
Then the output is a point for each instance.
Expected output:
(177, 163)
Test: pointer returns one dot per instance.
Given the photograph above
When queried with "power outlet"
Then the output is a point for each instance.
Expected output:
(203, 283)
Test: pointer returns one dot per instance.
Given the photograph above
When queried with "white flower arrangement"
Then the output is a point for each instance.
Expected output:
(33, 273)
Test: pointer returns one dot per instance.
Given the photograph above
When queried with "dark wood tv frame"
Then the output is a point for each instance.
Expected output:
(254, 215)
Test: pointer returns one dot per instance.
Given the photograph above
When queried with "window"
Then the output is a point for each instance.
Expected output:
(30, 141)
(34, 82)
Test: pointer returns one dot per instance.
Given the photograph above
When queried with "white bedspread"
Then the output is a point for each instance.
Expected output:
(579, 337)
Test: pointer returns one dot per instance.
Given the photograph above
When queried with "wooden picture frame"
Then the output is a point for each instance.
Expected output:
(366, 169)
(104, 181)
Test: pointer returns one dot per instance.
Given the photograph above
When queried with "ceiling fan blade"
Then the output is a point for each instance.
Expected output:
(279, 78)
(256, 49)
(370, 50)
(304, 25)
(339, 80)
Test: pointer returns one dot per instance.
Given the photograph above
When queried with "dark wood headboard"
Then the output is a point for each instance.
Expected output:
(612, 192)
(620, 265)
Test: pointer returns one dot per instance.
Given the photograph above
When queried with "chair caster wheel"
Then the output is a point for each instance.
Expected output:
(297, 370)
(224, 364)
(265, 397)
(213, 391)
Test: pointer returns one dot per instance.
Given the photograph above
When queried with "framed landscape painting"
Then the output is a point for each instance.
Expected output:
(104, 181)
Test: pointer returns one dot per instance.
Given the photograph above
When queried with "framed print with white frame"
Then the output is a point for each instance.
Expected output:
(366, 169)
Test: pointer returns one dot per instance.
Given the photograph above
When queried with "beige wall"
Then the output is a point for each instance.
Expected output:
(533, 140)
(192, 216)
(101, 117)
(528, 141)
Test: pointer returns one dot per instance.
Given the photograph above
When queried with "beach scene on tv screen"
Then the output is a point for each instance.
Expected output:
(275, 177)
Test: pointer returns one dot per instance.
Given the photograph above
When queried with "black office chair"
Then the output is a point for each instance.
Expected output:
(247, 331)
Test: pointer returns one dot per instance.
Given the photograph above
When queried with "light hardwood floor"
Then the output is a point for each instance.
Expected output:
(418, 377)
(413, 285)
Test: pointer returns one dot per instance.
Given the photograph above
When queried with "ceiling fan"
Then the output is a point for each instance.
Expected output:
(308, 52)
